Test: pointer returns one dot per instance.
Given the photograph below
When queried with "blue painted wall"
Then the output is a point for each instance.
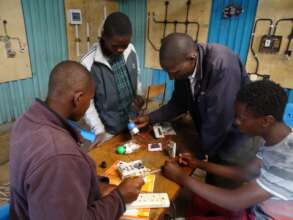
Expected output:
(46, 36)
(233, 32)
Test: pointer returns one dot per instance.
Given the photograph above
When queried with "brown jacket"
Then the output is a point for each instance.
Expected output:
(51, 178)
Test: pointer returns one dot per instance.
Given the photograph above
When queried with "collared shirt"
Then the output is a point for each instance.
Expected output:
(192, 79)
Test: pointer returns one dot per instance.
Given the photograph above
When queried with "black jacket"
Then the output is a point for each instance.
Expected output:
(219, 77)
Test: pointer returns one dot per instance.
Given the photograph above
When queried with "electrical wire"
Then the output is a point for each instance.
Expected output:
(252, 40)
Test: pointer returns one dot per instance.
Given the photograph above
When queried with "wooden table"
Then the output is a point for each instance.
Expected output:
(153, 160)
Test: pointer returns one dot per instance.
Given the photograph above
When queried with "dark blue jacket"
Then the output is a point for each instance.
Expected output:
(219, 77)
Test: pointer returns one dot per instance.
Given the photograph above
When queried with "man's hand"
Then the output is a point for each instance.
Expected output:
(106, 188)
(142, 121)
(172, 171)
(186, 159)
(137, 103)
(130, 188)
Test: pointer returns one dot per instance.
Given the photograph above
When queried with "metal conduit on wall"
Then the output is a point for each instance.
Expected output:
(46, 35)
(233, 32)
(137, 12)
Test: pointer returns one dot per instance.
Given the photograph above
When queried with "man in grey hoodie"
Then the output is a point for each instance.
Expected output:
(51, 177)
(113, 63)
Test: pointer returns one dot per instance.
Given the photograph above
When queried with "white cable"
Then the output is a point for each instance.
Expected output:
(105, 12)
(77, 40)
(102, 22)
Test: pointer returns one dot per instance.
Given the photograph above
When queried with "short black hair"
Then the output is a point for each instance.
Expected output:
(117, 24)
(66, 77)
(175, 47)
(264, 98)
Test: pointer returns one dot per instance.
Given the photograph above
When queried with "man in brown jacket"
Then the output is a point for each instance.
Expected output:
(51, 178)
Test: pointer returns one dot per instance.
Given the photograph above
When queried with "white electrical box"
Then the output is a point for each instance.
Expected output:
(74, 16)
(268, 43)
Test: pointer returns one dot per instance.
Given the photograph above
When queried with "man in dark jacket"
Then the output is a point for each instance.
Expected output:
(50, 176)
(207, 79)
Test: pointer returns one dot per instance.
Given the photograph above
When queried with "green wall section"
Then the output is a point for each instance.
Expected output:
(46, 36)
(136, 10)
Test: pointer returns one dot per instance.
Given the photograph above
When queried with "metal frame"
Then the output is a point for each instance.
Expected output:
(165, 22)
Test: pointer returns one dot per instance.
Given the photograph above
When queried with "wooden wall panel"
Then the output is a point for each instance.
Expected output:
(199, 11)
(277, 65)
(92, 12)
(17, 67)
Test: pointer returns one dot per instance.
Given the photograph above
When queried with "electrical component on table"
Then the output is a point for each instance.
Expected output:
(133, 129)
(131, 169)
(171, 149)
(155, 147)
(127, 148)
